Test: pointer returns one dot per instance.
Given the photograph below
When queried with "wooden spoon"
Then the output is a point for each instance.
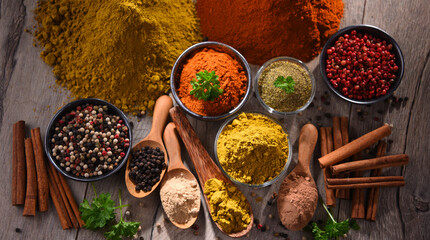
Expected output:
(296, 212)
(205, 166)
(176, 167)
(162, 106)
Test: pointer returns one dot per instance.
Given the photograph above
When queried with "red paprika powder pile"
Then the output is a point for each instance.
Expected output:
(231, 75)
(264, 29)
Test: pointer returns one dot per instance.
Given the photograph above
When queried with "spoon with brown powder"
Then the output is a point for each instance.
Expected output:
(177, 168)
(298, 194)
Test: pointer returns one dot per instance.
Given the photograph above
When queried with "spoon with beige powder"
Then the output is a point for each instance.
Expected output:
(298, 194)
(180, 192)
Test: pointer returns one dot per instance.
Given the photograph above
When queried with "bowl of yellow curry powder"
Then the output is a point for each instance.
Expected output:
(252, 149)
(284, 86)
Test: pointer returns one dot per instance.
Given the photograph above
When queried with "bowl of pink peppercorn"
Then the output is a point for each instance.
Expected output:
(362, 64)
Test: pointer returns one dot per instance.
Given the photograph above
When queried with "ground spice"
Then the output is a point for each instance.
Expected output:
(121, 51)
(253, 148)
(232, 79)
(263, 29)
(277, 98)
(229, 207)
(180, 198)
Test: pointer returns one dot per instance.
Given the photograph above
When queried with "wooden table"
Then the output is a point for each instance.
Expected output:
(28, 92)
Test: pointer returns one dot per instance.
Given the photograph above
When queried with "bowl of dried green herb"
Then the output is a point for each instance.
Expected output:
(284, 86)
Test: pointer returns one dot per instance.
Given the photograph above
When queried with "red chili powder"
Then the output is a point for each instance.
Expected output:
(232, 77)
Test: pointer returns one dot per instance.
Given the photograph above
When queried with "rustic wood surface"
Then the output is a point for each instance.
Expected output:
(28, 92)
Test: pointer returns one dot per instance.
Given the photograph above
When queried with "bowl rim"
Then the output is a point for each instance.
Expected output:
(382, 35)
(67, 108)
(291, 59)
(267, 183)
(178, 64)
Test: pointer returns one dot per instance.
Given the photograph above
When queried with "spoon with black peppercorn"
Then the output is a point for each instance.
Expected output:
(177, 168)
(154, 141)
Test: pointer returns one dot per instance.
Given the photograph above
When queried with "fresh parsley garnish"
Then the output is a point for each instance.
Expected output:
(101, 211)
(332, 229)
(206, 87)
(122, 229)
(286, 84)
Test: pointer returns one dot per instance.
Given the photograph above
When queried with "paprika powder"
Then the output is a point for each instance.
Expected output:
(264, 29)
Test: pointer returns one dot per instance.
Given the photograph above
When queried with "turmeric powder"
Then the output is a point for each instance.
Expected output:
(229, 207)
(253, 148)
(121, 51)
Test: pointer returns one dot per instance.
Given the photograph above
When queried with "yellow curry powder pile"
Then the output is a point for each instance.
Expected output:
(253, 148)
(229, 207)
(121, 51)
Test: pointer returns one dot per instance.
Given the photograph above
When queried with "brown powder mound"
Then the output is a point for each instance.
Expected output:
(263, 29)
(296, 204)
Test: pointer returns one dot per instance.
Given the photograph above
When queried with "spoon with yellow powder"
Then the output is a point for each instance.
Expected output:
(153, 140)
(298, 194)
(205, 167)
(177, 169)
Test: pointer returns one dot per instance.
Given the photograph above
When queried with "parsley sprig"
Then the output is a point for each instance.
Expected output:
(332, 228)
(206, 87)
(122, 229)
(101, 211)
(287, 84)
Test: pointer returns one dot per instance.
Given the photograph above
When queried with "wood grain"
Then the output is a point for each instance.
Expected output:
(28, 91)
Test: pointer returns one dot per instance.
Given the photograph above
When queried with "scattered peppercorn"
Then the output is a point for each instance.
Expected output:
(259, 226)
(18, 230)
(361, 66)
(89, 141)
(327, 115)
(145, 167)
(195, 227)
(263, 228)
(318, 118)
(256, 221)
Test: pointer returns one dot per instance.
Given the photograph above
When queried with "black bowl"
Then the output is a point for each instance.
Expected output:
(177, 69)
(378, 33)
(66, 109)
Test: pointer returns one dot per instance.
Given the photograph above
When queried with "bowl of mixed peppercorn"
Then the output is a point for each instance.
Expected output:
(88, 140)
(362, 64)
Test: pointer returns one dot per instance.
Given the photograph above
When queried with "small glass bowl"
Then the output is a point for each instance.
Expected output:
(288, 59)
(265, 184)
(221, 47)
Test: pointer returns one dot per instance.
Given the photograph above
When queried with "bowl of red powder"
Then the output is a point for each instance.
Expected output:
(362, 64)
(231, 76)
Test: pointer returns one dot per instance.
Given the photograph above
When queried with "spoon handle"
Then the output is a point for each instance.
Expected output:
(161, 112)
(307, 141)
(172, 146)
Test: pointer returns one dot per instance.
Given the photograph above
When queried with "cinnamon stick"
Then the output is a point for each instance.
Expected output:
(20, 160)
(337, 134)
(357, 209)
(355, 146)
(354, 180)
(373, 163)
(329, 194)
(63, 196)
(368, 185)
(329, 140)
(42, 175)
(343, 139)
(71, 200)
(58, 203)
(372, 202)
(31, 194)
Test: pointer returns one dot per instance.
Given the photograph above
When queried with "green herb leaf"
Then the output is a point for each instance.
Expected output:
(122, 229)
(332, 228)
(99, 212)
(286, 84)
(206, 87)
